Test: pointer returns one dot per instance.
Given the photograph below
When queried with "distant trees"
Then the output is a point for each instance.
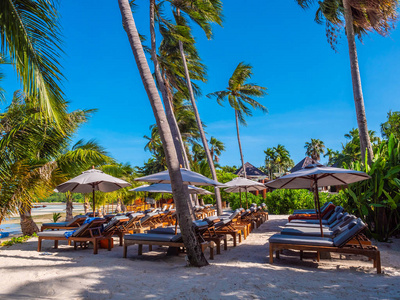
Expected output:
(277, 160)
(315, 148)
(392, 125)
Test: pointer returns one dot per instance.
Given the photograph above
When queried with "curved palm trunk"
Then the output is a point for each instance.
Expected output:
(201, 130)
(28, 226)
(180, 191)
(365, 142)
(177, 138)
(86, 205)
(68, 207)
(240, 144)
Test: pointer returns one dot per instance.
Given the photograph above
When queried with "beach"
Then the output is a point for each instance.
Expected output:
(241, 272)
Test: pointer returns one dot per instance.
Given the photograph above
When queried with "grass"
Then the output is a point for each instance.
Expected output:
(17, 240)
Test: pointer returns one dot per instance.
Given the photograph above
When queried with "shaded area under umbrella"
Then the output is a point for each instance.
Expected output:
(91, 181)
(314, 176)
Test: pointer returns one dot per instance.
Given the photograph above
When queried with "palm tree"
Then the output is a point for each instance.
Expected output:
(30, 37)
(359, 17)
(203, 13)
(239, 95)
(315, 148)
(216, 148)
(180, 192)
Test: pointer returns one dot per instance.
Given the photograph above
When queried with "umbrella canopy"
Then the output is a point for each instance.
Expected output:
(188, 177)
(315, 175)
(240, 184)
(91, 181)
(326, 176)
(166, 188)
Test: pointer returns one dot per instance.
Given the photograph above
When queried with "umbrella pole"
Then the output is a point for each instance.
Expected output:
(316, 195)
(247, 203)
(94, 211)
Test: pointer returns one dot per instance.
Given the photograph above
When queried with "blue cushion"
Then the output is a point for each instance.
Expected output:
(153, 237)
(301, 240)
(354, 227)
(307, 231)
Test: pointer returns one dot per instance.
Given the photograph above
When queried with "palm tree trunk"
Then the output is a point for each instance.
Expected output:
(240, 144)
(68, 207)
(365, 142)
(86, 205)
(177, 138)
(28, 226)
(200, 126)
(180, 191)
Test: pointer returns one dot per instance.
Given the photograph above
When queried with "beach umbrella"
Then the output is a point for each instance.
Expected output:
(91, 181)
(166, 188)
(188, 177)
(314, 176)
(240, 184)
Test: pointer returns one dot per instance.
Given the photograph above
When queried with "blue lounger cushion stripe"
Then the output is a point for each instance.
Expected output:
(306, 221)
(301, 240)
(59, 224)
(165, 230)
(153, 237)
(307, 232)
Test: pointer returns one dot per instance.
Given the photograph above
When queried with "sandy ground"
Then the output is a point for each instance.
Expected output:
(239, 273)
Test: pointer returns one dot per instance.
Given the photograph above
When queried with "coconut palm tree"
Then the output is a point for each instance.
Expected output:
(216, 148)
(203, 13)
(358, 17)
(315, 148)
(180, 192)
(239, 95)
(30, 37)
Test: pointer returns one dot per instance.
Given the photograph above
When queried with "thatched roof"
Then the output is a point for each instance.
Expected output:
(251, 171)
(304, 162)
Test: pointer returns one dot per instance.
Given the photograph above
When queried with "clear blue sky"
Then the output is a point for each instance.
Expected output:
(309, 85)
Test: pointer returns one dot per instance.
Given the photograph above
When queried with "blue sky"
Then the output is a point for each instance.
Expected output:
(309, 85)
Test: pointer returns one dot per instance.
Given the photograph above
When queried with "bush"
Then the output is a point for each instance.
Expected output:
(285, 201)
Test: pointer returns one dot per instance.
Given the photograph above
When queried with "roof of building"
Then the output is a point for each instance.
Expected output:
(304, 162)
(251, 171)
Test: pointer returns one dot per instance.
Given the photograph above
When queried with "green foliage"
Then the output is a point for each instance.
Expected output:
(315, 148)
(376, 200)
(18, 240)
(277, 160)
(392, 125)
(56, 217)
(221, 177)
(285, 201)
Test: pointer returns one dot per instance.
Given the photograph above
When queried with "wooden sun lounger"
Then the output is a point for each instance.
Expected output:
(351, 242)
(73, 224)
(86, 233)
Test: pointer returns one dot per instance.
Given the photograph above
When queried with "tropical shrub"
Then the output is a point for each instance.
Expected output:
(285, 201)
(56, 217)
(376, 200)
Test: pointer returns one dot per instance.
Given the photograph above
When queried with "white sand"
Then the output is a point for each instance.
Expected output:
(242, 272)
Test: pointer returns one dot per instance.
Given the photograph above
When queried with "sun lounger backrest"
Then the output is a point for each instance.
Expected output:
(333, 217)
(234, 214)
(340, 218)
(354, 228)
(80, 229)
(76, 220)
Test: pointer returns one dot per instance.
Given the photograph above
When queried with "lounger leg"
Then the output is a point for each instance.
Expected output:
(218, 247)
(110, 240)
(240, 237)
(140, 249)
(277, 254)
(301, 254)
(318, 256)
(95, 246)
(75, 245)
(271, 254)
(125, 250)
(378, 262)
(121, 237)
(39, 246)
(225, 243)
(55, 244)
(211, 252)
(150, 247)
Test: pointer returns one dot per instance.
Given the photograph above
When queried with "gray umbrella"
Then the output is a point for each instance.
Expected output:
(188, 177)
(91, 181)
(166, 188)
(315, 175)
(240, 184)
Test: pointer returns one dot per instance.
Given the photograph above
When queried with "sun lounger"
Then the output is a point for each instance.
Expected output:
(310, 211)
(325, 213)
(163, 239)
(325, 221)
(116, 226)
(338, 244)
(73, 224)
(89, 232)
